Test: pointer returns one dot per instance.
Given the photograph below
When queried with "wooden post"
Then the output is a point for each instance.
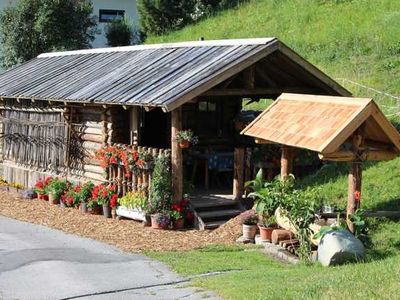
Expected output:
(134, 126)
(176, 156)
(355, 176)
(286, 162)
(238, 173)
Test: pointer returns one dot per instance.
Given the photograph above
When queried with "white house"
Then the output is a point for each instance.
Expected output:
(105, 11)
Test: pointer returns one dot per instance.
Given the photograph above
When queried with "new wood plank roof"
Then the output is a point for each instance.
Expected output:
(164, 75)
(321, 123)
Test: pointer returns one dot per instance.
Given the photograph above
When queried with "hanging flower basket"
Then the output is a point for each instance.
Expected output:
(184, 144)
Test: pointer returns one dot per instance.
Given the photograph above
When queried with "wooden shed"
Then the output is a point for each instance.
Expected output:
(338, 128)
(60, 107)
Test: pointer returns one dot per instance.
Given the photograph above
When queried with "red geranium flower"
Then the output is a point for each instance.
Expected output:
(113, 200)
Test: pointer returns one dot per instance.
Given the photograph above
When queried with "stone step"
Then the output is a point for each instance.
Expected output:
(218, 214)
(214, 224)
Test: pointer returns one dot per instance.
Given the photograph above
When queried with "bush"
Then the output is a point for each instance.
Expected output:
(160, 187)
(122, 33)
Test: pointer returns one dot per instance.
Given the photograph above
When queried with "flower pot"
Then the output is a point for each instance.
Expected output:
(184, 144)
(43, 197)
(155, 224)
(95, 210)
(62, 204)
(147, 165)
(107, 210)
(114, 213)
(266, 232)
(83, 207)
(53, 199)
(179, 224)
(249, 231)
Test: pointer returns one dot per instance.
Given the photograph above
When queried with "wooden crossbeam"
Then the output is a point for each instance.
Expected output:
(257, 91)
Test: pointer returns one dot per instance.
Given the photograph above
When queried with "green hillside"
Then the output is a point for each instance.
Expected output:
(358, 40)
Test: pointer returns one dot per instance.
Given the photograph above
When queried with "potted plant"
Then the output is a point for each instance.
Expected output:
(178, 213)
(267, 197)
(266, 226)
(104, 194)
(132, 206)
(185, 138)
(145, 160)
(83, 194)
(93, 207)
(249, 221)
(40, 190)
(56, 188)
(160, 193)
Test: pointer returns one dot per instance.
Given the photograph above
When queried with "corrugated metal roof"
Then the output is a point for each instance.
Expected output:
(320, 123)
(164, 75)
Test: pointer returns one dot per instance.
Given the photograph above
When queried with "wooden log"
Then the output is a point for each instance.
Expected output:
(176, 156)
(92, 138)
(286, 162)
(238, 173)
(288, 243)
(89, 130)
(281, 235)
(91, 145)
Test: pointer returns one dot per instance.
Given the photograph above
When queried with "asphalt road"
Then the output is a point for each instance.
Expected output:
(40, 263)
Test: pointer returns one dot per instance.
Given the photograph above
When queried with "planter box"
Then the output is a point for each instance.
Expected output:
(131, 213)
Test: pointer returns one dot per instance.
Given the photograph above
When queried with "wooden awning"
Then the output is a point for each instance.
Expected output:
(325, 124)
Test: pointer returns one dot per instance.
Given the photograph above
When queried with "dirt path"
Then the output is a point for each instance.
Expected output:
(125, 234)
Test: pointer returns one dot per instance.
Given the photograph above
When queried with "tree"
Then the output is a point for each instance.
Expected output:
(160, 16)
(36, 26)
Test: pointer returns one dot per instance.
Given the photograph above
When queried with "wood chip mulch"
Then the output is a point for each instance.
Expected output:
(127, 235)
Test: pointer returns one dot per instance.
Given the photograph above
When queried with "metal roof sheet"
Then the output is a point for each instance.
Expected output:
(164, 75)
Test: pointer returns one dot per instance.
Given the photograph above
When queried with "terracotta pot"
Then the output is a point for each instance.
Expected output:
(43, 197)
(179, 224)
(95, 210)
(155, 224)
(266, 232)
(83, 207)
(114, 212)
(53, 200)
(249, 231)
(107, 210)
(184, 144)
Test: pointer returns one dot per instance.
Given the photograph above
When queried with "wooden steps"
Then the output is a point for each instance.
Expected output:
(214, 211)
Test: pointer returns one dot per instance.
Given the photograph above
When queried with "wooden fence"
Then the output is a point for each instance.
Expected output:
(137, 181)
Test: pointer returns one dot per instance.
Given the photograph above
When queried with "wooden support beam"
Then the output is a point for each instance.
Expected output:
(263, 142)
(355, 176)
(249, 77)
(176, 156)
(238, 173)
(257, 91)
(286, 162)
(363, 155)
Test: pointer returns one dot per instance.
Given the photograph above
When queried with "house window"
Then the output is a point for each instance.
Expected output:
(109, 15)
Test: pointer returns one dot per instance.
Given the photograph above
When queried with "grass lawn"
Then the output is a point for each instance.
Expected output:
(260, 277)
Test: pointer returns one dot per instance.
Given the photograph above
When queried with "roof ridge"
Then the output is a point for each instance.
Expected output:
(207, 43)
